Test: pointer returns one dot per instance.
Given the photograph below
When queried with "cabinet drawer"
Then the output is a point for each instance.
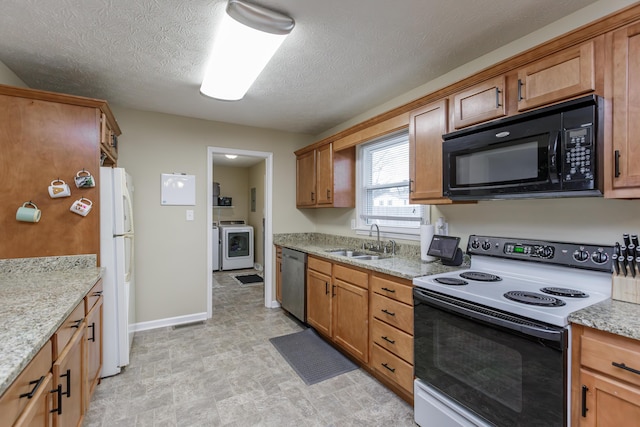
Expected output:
(30, 380)
(392, 289)
(393, 339)
(600, 350)
(392, 312)
(93, 296)
(392, 367)
(64, 333)
(319, 265)
(356, 277)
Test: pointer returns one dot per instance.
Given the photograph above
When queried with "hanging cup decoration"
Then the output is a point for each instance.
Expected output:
(84, 179)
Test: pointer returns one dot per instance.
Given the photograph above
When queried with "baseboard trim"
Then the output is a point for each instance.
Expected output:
(170, 321)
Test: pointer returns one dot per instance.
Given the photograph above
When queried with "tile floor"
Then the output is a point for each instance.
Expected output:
(225, 372)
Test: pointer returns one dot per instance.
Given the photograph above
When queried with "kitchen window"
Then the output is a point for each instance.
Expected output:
(383, 183)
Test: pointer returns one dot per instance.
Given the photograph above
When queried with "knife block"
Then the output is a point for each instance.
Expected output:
(626, 289)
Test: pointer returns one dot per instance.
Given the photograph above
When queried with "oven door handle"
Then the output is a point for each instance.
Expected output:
(487, 315)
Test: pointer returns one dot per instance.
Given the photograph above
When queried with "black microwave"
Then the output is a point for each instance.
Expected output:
(554, 151)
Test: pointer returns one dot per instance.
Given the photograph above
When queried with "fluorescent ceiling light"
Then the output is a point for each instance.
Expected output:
(230, 156)
(248, 37)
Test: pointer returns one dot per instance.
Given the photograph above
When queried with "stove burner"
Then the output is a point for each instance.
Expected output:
(451, 281)
(564, 292)
(533, 298)
(480, 276)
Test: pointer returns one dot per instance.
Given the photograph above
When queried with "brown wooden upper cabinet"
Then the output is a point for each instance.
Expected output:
(325, 178)
(568, 73)
(426, 127)
(482, 102)
(622, 170)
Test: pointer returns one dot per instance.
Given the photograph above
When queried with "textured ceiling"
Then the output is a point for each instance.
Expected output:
(343, 58)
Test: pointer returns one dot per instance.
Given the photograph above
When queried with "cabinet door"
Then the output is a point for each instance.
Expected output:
(319, 302)
(563, 75)
(68, 376)
(479, 103)
(622, 168)
(94, 349)
(38, 411)
(426, 127)
(306, 179)
(606, 402)
(324, 171)
(350, 318)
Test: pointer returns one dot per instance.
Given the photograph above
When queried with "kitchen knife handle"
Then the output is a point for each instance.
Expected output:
(617, 163)
(616, 265)
(626, 240)
(634, 240)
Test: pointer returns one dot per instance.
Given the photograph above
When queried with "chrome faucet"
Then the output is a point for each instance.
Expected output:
(378, 229)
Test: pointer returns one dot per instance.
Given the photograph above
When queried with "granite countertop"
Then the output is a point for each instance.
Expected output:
(406, 264)
(36, 296)
(617, 317)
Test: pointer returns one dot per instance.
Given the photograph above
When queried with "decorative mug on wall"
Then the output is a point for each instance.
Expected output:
(84, 179)
(81, 206)
(28, 212)
(59, 188)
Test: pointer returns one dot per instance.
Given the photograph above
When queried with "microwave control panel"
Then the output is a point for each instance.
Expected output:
(579, 150)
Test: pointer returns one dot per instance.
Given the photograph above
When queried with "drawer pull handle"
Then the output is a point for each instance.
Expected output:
(498, 98)
(385, 311)
(93, 332)
(617, 163)
(393, 291)
(58, 390)
(625, 367)
(97, 293)
(388, 367)
(68, 375)
(520, 84)
(333, 291)
(585, 389)
(388, 340)
(326, 288)
(33, 391)
(76, 323)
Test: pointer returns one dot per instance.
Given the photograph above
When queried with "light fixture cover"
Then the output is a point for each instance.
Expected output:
(231, 156)
(248, 37)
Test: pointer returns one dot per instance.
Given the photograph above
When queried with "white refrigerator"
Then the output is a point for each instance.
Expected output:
(116, 256)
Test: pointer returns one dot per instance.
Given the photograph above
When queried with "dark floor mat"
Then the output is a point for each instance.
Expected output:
(249, 278)
(311, 357)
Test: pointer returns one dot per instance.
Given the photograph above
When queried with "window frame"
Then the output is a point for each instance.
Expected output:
(361, 227)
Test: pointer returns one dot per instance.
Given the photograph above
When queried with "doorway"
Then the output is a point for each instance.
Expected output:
(214, 153)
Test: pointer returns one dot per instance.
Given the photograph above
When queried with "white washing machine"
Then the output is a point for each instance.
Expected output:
(236, 245)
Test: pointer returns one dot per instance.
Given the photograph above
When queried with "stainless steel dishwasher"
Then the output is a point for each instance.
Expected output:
(294, 283)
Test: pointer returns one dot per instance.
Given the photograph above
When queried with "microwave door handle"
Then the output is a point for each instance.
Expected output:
(554, 155)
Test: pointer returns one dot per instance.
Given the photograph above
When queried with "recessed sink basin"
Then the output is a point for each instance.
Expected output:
(356, 255)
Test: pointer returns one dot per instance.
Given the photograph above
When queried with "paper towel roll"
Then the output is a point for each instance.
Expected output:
(426, 234)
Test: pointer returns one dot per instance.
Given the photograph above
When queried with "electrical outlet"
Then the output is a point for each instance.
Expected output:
(189, 215)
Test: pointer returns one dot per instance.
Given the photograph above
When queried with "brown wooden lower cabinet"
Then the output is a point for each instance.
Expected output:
(605, 379)
(28, 396)
(55, 388)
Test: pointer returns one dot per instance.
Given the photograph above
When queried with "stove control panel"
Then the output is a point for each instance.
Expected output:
(592, 257)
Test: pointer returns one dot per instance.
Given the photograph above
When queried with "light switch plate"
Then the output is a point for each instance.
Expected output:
(189, 214)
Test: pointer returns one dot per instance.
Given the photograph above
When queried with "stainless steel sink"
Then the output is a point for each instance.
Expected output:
(356, 254)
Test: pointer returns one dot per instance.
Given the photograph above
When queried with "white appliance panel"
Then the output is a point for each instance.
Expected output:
(117, 257)
(229, 233)
(215, 248)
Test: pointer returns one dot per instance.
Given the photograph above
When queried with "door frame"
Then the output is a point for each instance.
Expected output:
(269, 290)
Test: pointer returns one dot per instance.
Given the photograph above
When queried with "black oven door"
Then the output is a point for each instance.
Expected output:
(507, 370)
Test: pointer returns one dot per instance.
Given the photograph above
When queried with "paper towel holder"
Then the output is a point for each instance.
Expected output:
(446, 248)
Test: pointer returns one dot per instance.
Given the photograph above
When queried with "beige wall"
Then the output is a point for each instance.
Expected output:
(171, 253)
(589, 220)
(8, 77)
(257, 181)
(234, 183)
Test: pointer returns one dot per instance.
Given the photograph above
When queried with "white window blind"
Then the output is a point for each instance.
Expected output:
(384, 198)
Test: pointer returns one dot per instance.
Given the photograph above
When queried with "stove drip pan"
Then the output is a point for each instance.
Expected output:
(452, 281)
(564, 292)
(480, 276)
(533, 298)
